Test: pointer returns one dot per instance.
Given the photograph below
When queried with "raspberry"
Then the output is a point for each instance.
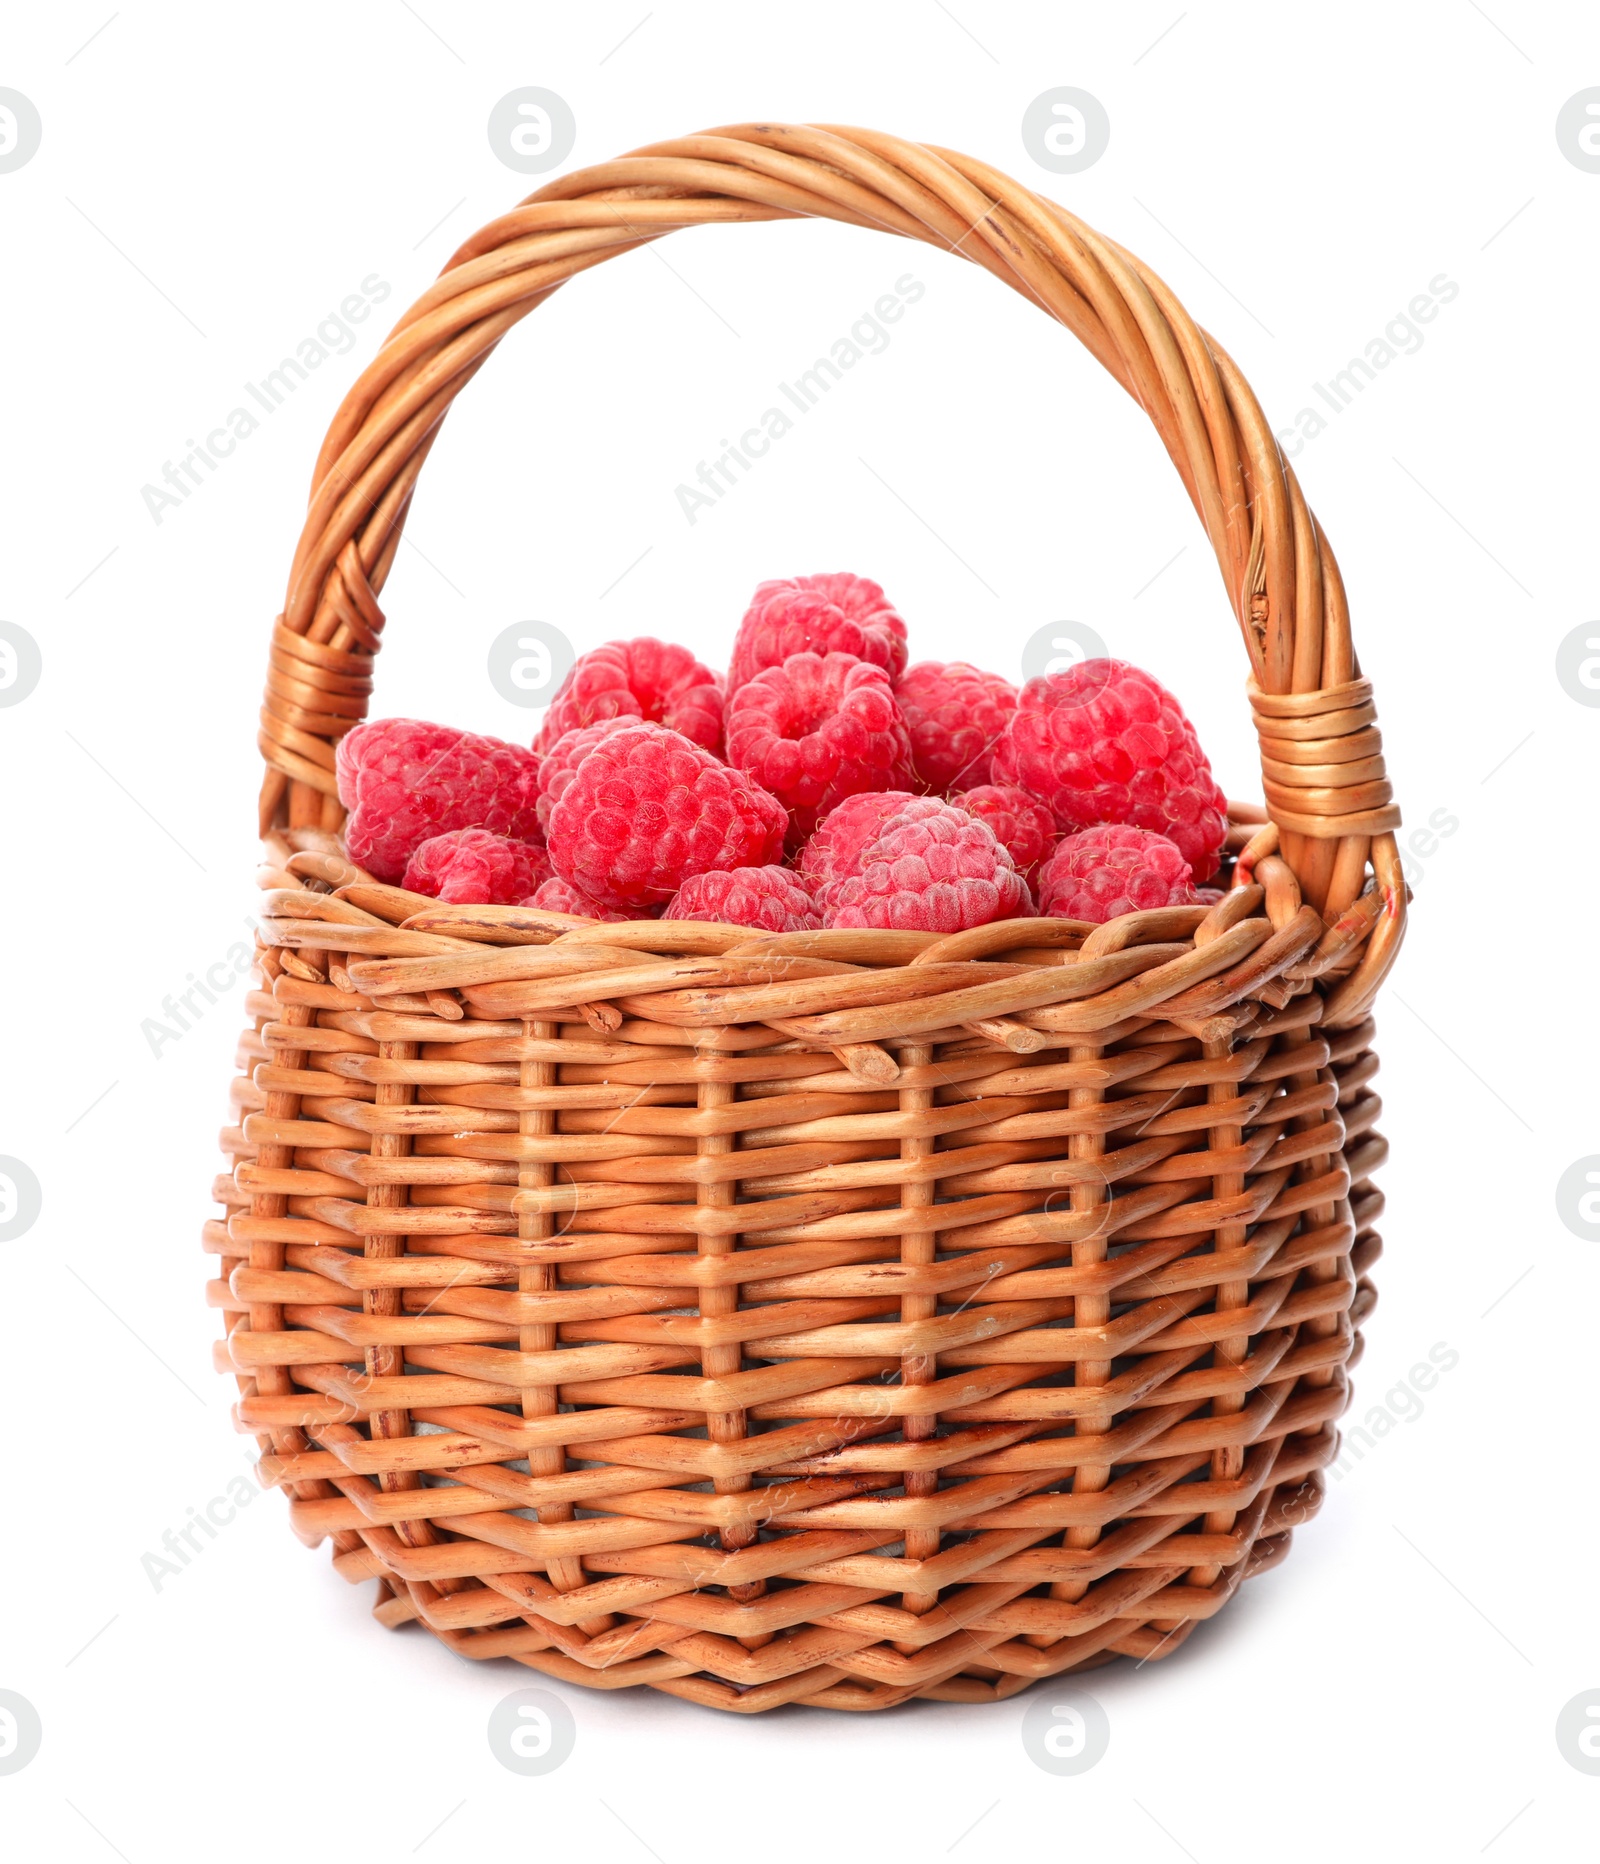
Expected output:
(1104, 742)
(404, 780)
(769, 898)
(568, 751)
(955, 714)
(644, 679)
(1021, 823)
(934, 869)
(646, 809)
(835, 849)
(556, 895)
(1102, 872)
(818, 729)
(831, 614)
(472, 867)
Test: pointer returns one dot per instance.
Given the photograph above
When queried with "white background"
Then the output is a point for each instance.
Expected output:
(211, 182)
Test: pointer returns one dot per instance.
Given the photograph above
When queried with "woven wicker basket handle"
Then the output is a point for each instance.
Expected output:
(1322, 759)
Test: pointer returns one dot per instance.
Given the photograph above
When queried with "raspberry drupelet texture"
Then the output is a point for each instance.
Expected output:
(640, 679)
(1021, 823)
(835, 849)
(556, 895)
(930, 869)
(817, 729)
(955, 714)
(1101, 873)
(646, 809)
(404, 780)
(564, 757)
(1104, 742)
(830, 614)
(473, 867)
(771, 899)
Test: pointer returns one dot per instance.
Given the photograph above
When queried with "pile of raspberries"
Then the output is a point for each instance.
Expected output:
(823, 782)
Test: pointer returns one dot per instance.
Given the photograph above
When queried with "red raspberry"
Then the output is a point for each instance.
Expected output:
(556, 895)
(818, 729)
(841, 614)
(1102, 872)
(955, 715)
(1104, 742)
(472, 867)
(646, 809)
(404, 780)
(934, 869)
(1021, 823)
(564, 757)
(834, 851)
(769, 898)
(647, 679)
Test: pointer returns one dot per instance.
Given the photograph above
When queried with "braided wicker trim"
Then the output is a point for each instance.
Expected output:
(1322, 761)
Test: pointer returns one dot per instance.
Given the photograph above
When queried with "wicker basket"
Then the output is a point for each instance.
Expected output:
(840, 1317)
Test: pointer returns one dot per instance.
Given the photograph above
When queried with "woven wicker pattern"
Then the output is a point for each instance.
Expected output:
(838, 1317)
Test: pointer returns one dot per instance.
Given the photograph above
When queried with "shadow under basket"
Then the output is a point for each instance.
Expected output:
(840, 1317)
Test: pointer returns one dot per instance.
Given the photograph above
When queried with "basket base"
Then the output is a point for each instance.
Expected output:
(828, 1688)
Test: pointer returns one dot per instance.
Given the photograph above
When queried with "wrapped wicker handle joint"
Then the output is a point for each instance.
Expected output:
(839, 1317)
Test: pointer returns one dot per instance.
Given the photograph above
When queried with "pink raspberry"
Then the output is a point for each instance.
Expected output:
(817, 729)
(1102, 872)
(844, 833)
(1021, 823)
(1104, 742)
(642, 679)
(556, 895)
(564, 757)
(933, 869)
(841, 614)
(769, 898)
(955, 714)
(404, 780)
(472, 867)
(646, 809)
